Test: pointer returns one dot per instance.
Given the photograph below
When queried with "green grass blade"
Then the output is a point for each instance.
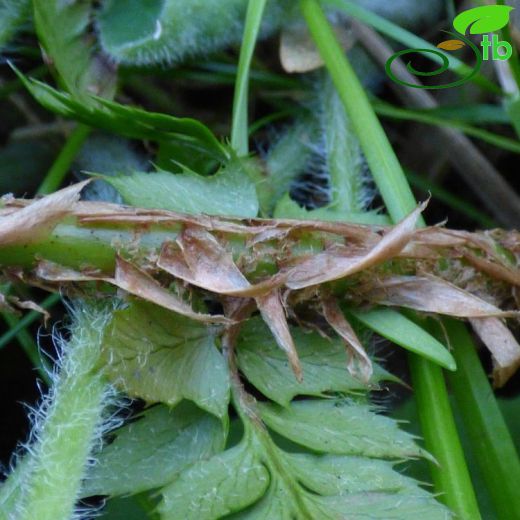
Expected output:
(400, 330)
(513, 110)
(450, 476)
(239, 128)
(61, 165)
(423, 116)
(487, 431)
(436, 416)
(476, 114)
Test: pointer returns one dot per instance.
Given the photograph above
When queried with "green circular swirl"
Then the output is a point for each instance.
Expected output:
(442, 68)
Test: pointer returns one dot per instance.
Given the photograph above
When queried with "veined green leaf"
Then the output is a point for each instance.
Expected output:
(127, 121)
(336, 474)
(405, 333)
(323, 361)
(304, 485)
(160, 356)
(389, 506)
(342, 427)
(62, 30)
(344, 161)
(213, 489)
(149, 452)
(13, 13)
(229, 192)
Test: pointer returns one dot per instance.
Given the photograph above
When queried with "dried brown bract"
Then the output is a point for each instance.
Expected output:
(278, 264)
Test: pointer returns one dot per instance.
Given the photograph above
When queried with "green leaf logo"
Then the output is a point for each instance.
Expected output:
(485, 19)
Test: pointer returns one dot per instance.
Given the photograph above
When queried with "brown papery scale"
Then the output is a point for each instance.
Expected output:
(61, 243)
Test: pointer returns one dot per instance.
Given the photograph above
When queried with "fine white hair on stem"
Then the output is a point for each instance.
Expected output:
(68, 424)
(319, 158)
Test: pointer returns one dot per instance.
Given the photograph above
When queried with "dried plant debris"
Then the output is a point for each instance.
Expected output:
(37, 218)
(298, 52)
(172, 259)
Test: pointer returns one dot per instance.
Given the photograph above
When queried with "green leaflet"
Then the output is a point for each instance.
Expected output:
(171, 30)
(150, 452)
(324, 364)
(229, 192)
(288, 157)
(342, 152)
(405, 333)
(212, 489)
(322, 426)
(127, 121)
(332, 474)
(287, 208)
(62, 30)
(282, 485)
(160, 356)
(13, 13)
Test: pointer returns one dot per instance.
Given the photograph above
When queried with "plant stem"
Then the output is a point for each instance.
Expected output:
(61, 165)
(486, 429)
(436, 417)
(450, 476)
(51, 182)
(58, 459)
(239, 131)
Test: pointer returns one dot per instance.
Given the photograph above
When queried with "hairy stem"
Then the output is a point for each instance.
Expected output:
(56, 462)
